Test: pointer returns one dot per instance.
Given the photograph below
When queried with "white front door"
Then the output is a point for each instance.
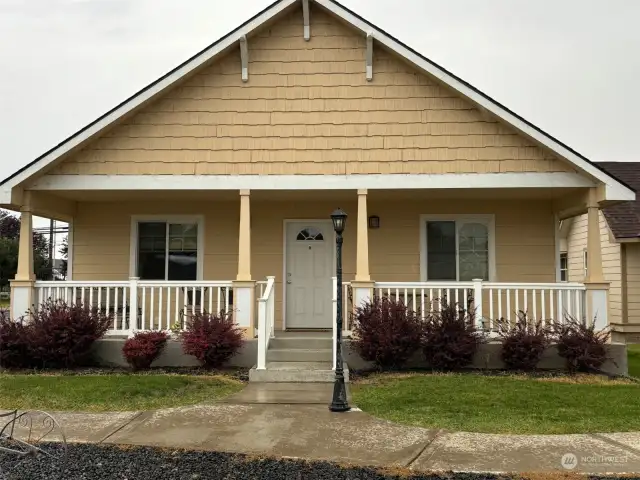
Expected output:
(308, 271)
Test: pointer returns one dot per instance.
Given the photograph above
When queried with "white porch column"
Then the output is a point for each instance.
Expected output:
(597, 305)
(244, 287)
(362, 284)
(22, 291)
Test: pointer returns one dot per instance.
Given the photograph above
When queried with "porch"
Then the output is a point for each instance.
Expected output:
(267, 257)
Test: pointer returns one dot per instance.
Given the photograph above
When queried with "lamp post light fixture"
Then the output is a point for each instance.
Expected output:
(339, 401)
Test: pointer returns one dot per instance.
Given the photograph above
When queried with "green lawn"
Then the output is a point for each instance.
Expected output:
(502, 404)
(99, 393)
(633, 357)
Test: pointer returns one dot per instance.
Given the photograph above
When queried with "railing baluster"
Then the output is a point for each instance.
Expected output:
(176, 318)
(115, 309)
(219, 304)
(211, 299)
(151, 313)
(491, 318)
(160, 289)
(508, 290)
(517, 302)
(144, 309)
(414, 299)
(544, 307)
(422, 312)
(168, 320)
(227, 296)
(535, 310)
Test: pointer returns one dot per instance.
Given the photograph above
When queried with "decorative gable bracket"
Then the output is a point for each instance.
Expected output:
(369, 56)
(244, 58)
(305, 18)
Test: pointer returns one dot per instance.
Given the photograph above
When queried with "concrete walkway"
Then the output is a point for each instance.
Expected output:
(303, 427)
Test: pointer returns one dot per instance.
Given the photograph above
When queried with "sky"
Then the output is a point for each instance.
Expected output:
(569, 66)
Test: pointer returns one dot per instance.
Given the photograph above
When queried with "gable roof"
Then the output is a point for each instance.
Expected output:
(615, 190)
(624, 219)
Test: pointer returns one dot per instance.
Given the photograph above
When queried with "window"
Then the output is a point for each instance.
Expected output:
(310, 233)
(457, 248)
(564, 267)
(167, 250)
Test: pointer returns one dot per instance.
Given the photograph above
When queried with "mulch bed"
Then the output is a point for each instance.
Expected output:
(144, 463)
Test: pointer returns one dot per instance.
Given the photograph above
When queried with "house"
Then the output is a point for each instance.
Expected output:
(211, 189)
(620, 247)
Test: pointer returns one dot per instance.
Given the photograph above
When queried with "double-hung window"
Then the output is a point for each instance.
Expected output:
(167, 249)
(457, 248)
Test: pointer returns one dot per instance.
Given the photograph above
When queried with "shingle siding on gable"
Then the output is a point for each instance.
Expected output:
(308, 109)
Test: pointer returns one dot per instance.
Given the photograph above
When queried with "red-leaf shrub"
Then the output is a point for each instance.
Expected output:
(582, 347)
(143, 348)
(523, 342)
(386, 332)
(60, 335)
(450, 338)
(212, 338)
(14, 346)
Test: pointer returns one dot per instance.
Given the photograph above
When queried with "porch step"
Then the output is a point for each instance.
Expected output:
(311, 372)
(299, 355)
(301, 342)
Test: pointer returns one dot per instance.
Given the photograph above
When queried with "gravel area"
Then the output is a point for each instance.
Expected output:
(94, 462)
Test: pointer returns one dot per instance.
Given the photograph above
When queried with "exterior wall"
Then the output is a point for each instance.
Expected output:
(524, 237)
(308, 109)
(611, 262)
(632, 265)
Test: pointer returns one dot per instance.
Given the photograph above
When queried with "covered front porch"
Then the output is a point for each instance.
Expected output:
(156, 258)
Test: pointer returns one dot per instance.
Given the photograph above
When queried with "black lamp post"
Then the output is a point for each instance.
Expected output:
(339, 401)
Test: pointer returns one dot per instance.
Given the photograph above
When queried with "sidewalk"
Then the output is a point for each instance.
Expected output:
(304, 427)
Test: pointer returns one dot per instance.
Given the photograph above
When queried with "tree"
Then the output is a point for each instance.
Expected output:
(64, 253)
(9, 241)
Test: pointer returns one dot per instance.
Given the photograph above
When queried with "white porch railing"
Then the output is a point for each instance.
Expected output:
(266, 321)
(491, 300)
(155, 305)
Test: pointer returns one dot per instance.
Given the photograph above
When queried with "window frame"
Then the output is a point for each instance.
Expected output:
(566, 265)
(486, 219)
(176, 219)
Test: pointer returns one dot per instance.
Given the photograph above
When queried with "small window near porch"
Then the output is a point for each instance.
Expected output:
(310, 233)
(564, 267)
(167, 251)
(457, 250)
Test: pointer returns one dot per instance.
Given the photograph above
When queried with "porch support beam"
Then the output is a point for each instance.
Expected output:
(597, 289)
(22, 291)
(244, 58)
(594, 251)
(362, 251)
(244, 237)
(305, 19)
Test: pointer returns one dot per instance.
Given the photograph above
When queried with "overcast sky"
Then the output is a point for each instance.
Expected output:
(569, 66)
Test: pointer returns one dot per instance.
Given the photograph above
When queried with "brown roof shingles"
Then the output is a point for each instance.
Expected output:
(624, 218)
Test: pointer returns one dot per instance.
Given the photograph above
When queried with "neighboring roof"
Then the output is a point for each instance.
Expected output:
(624, 219)
(615, 190)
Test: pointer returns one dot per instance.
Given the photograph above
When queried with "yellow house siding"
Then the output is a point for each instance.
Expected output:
(308, 109)
(633, 282)
(524, 237)
(611, 261)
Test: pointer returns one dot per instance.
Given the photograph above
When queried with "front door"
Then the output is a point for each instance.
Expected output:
(308, 271)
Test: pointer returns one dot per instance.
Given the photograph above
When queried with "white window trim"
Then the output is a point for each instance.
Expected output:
(488, 219)
(136, 219)
(566, 269)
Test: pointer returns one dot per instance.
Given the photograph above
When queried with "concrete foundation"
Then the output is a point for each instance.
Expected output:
(108, 352)
(488, 357)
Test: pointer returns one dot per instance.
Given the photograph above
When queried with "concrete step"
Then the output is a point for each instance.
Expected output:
(296, 372)
(299, 355)
(301, 342)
